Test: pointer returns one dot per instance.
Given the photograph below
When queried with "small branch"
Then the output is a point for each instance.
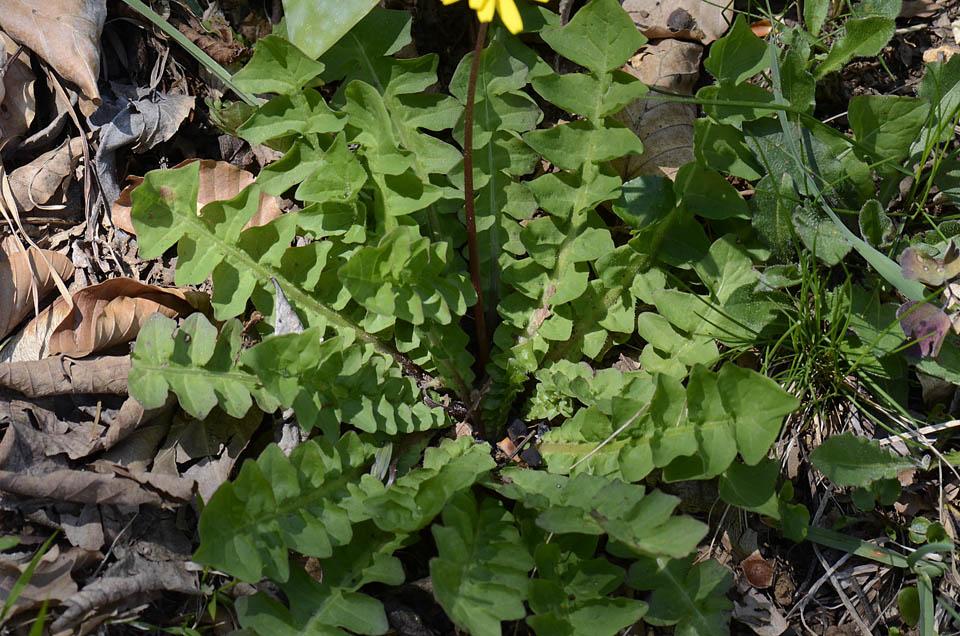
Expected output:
(482, 344)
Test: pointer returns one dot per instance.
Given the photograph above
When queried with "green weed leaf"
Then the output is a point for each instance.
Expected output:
(600, 37)
(862, 37)
(315, 26)
(856, 461)
(481, 572)
(277, 66)
(737, 56)
(196, 364)
(692, 597)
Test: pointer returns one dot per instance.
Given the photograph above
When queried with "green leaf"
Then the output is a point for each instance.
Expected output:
(645, 200)
(862, 37)
(875, 226)
(404, 277)
(277, 66)
(338, 176)
(588, 504)
(601, 37)
(329, 381)
(315, 26)
(303, 113)
(592, 95)
(570, 595)
(707, 194)
(887, 125)
(856, 461)
(737, 56)
(820, 235)
(814, 15)
(571, 145)
(361, 53)
(721, 147)
(481, 572)
(281, 502)
(692, 597)
(196, 365)
(752, 487)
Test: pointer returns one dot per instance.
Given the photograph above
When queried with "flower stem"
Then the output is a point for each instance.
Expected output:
(482, 344)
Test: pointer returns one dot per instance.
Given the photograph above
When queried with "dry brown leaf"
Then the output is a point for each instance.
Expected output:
(216, 40)
(919, 8)
(18, 104)
(940, 54)
(51, 579)
(66, 34)
(219, 181)
(45, 179)
(757, 570)
(761, 28)
(700, 20)
(665, 128)
(103, 316)
(62, 376)
(23, 274)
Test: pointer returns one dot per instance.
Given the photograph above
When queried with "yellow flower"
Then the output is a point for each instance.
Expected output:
(506, 8)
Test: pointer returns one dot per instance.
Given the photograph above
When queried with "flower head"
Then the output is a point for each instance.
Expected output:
(506, 8)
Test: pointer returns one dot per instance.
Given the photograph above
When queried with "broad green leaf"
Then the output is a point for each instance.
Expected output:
(862, 37)
(692, 597)
(856, 461)
(571, 145)
(707, 194)
(338, 176)
(814, 15)
(277, 67)
(404, 277)
(645, 200)
(876, 228)
(592, 95)
(757, 405)
(303, 113)
(601, 37)
(820, 235)
(721, 147)
(315, 26)
(737, 56)
(752, 487)
(887, 125)
(361, 53)
(481, 572)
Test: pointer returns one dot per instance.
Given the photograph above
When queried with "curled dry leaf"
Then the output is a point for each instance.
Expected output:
(219, 181)
(23, 275)
(51, 579)
(695, 20)
(66, 34)
(18, 104)
(45, 179)
(215, 39)
(103, 316)
(757, 570)
(62, 376)
(665, 128)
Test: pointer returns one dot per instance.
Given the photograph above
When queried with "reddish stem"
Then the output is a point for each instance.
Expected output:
(482, 344)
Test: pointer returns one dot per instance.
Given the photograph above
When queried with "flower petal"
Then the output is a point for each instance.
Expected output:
(485, 10)
(510, 16)
(452, 1)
